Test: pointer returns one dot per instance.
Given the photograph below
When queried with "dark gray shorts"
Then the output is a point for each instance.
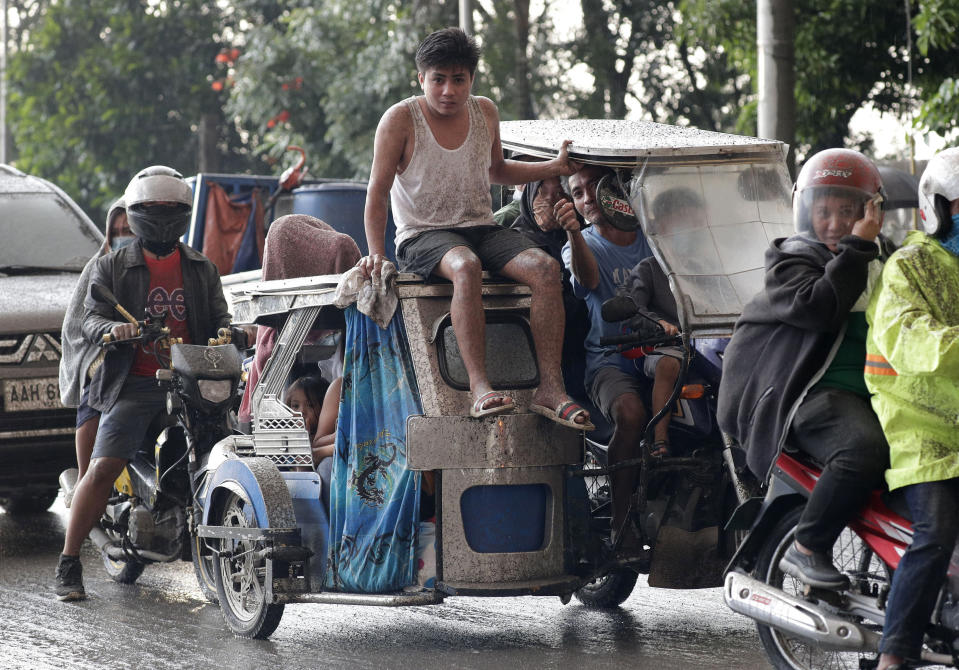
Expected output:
(123, 428)
(495, 247)
(609, 383)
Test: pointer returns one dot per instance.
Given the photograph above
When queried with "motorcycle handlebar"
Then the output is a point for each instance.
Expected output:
(144, 338)
(637, 340)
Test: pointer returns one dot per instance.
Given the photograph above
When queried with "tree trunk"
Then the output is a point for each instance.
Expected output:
(208, 160)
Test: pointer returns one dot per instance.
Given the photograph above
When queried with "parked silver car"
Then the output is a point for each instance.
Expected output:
(45, 240)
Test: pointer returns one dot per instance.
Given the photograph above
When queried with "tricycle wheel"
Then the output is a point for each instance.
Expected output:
(241, 575)
(609, 591)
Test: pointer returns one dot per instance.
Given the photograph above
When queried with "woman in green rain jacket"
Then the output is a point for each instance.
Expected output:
(912, 370)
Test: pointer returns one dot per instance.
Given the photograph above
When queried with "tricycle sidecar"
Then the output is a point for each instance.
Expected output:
(513, 512)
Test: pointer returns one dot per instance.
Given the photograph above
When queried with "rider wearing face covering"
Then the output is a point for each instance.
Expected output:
(79, 358)
(807, 328)
(78, 354)
(162, 275)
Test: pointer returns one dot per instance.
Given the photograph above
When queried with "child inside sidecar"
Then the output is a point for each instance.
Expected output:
(512, 510)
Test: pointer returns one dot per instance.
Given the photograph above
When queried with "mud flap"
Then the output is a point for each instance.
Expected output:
(686, 560)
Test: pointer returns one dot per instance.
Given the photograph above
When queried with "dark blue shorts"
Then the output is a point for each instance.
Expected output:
(84, 411)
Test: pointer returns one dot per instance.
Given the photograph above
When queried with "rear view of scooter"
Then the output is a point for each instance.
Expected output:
(805, 628)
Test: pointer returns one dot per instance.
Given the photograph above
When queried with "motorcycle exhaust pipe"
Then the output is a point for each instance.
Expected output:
(774, 608)
(103, 543)
(107, 546)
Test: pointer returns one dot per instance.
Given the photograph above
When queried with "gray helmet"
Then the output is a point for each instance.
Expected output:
(149, 219)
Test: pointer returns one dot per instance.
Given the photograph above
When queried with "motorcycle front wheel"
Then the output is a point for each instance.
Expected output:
(851, 556)
(204, 567)
(240, 575)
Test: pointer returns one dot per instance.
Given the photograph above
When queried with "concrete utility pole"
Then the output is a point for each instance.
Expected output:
(466, 16)
(775, 39)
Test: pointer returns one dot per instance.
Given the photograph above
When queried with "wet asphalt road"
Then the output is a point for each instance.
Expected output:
(163, 622)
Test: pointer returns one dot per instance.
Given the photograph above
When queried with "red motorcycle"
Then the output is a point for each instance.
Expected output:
(802, 627)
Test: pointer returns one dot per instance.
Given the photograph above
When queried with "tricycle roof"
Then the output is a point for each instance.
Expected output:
(257, 301)
(626, 142)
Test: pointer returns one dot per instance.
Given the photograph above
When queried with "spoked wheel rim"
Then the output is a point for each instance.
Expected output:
(865, 570)
(242, 572)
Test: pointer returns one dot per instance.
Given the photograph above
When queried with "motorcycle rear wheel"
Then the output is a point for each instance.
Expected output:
(852, 556)
(240, 575)
(125, 571)
(122, 572)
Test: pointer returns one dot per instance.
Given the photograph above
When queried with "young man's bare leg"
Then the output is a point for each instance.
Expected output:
(541, 273)
(629, 415)
(667, 370)
(85, 437)
(464, 269)
(89, 501)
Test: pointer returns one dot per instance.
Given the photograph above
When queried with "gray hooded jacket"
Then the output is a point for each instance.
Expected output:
(77, 353)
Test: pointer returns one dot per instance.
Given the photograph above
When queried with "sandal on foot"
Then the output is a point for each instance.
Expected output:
(565, 414)
(477, 410)
(660, 449)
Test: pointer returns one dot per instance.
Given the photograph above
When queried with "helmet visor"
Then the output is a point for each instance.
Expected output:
(156, 222)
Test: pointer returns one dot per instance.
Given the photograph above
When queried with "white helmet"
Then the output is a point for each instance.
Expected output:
(938, 187)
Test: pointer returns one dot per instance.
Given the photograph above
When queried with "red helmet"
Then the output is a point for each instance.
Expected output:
(843, 173)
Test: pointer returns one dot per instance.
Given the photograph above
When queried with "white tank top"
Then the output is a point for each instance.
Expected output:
(443, 188)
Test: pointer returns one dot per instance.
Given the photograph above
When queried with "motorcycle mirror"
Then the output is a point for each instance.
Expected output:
(103, 294)
(613, 201)
(618, 308)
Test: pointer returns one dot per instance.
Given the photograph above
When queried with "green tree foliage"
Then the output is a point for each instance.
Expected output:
(652, 54)
(849, 53)
(524, 66)
(935, 26)
(102, 88)
(319, 76)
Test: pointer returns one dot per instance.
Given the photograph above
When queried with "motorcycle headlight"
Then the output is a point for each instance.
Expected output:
(215, 390)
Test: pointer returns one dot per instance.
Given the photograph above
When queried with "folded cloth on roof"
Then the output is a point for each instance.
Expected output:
(374, 296)
(297, 245)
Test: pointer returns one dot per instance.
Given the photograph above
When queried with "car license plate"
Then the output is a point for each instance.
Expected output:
(21, 395)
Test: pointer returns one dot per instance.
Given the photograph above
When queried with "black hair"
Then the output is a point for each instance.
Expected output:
(313, 387)
(450, 47)
(564, 180)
